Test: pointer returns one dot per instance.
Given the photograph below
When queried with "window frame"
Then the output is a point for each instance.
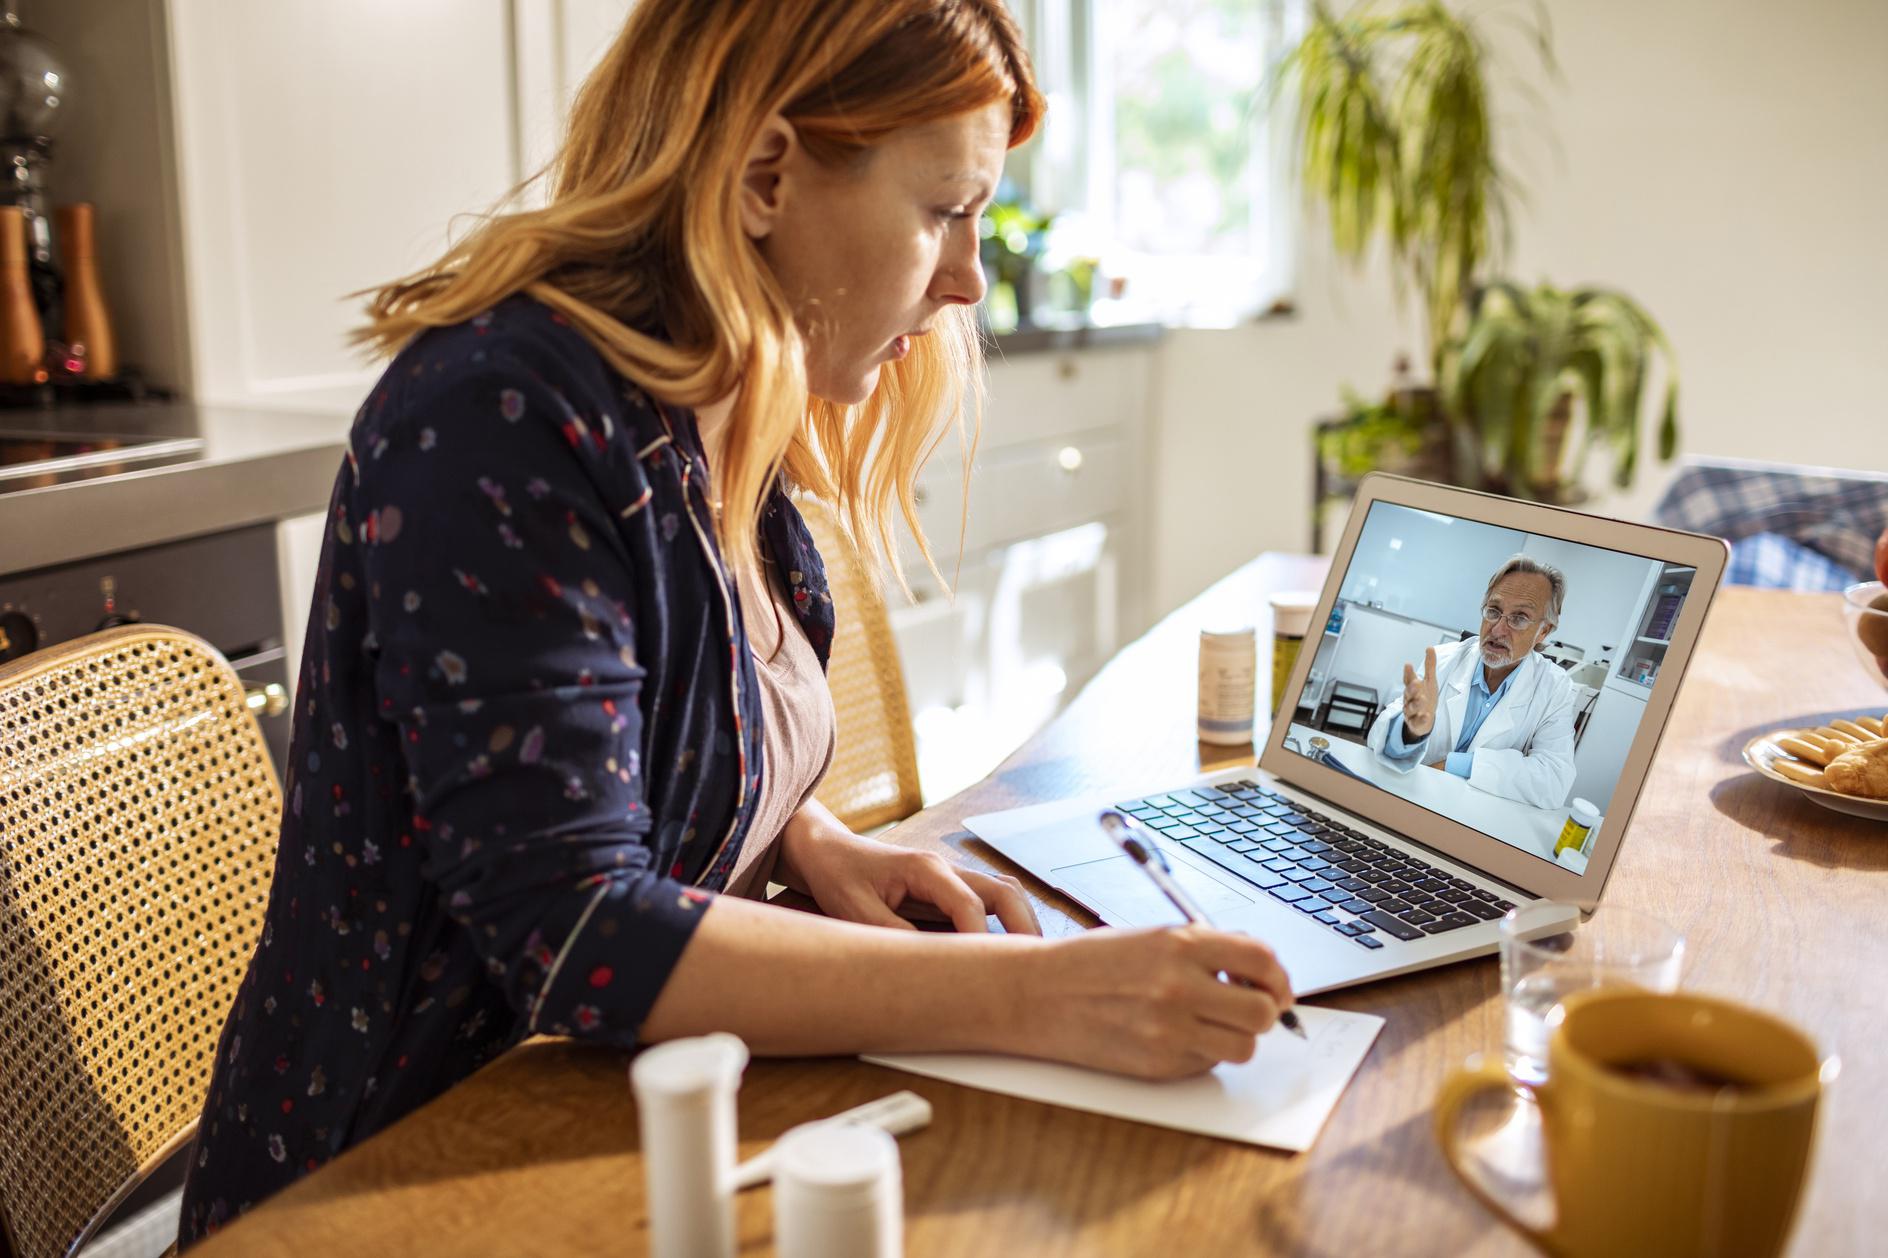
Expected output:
(1072, 167)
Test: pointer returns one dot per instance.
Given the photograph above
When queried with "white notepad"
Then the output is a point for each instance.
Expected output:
(1280, 1098)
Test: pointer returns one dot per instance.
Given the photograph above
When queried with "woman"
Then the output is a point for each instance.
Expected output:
(532, 738)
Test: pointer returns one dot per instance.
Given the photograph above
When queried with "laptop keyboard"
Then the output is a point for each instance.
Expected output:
(1332, 873)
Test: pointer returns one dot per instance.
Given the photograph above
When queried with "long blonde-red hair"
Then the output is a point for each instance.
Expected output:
(641, 247)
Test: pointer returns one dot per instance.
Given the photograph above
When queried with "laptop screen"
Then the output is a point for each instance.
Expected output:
(1492, 676)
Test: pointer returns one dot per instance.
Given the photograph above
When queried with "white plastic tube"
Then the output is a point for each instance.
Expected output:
(685, 1094)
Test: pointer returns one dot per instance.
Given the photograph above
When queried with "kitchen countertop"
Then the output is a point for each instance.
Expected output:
(255, 466)
(1039, 339)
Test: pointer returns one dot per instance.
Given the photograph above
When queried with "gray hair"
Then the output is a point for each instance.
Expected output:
(1527, 564)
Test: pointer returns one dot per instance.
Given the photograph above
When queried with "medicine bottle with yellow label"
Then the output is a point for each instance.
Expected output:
(1577, 833)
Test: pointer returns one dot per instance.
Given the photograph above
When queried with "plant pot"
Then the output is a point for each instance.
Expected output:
(1434, 459)
(1550, 484)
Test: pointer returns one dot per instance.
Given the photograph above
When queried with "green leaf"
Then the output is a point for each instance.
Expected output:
(1668, 424)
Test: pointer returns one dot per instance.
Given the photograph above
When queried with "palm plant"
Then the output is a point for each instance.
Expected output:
(1510, 378)
(1393, 135)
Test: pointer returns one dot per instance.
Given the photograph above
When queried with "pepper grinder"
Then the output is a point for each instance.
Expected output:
(87, 323)
(22, 340)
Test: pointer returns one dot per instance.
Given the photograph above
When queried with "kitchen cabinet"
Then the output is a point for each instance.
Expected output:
(323, 148)
(255, 164)
(298, 556)
(1050, 566)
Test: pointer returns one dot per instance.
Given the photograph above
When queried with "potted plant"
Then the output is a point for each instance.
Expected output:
(1013, 236)
(1511, 377)
(1393, 135)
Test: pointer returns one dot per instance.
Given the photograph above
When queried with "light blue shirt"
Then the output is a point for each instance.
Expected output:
(1480, 703)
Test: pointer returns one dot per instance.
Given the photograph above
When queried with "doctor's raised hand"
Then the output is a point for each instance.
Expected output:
(1419, 697)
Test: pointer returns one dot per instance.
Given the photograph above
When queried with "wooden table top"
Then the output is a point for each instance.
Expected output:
(1782, 901)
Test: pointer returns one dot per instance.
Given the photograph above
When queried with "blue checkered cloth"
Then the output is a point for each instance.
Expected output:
(1790, 528)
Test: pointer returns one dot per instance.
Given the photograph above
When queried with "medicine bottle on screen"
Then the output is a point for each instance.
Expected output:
(1577, 833)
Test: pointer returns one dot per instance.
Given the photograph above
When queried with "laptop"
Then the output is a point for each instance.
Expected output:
(1357, 850)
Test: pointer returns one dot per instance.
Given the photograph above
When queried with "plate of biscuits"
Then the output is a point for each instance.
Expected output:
(1842, 765)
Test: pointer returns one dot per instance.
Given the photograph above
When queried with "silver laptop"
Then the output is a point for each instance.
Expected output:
(1357, 849)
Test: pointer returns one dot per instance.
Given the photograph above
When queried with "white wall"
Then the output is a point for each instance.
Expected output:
(1724, 161)
(1437, 574)
(1373, 648)
(1605, 591)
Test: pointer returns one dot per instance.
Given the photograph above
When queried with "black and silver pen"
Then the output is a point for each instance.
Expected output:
(1144, 852)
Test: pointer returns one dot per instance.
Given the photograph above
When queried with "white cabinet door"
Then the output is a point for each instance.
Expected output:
(324, 146)
(558, 43)
(1605, 741)
(1050, 579)
(298, 557)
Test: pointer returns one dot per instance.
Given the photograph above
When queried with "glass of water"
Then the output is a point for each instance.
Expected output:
(1544, 960)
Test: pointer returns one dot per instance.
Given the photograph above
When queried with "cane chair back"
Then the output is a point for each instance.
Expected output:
(138, 821)
(874, 776)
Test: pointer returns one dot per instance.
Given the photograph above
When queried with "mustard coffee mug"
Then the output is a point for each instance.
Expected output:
(1674, 1124)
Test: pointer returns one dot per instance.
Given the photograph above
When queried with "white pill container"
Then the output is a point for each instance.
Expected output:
(685, 1099)
(838, 1193)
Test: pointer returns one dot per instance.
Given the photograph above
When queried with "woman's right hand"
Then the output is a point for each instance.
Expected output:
(1149, 1002)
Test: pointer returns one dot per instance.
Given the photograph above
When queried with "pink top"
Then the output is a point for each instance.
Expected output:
(800, 735)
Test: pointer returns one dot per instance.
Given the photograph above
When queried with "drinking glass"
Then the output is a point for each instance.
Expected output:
(1544, 960)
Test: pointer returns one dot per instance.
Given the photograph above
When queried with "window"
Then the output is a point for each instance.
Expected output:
(1161, 158)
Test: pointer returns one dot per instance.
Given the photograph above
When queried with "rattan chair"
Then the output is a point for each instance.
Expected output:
(138, 815)
(874, 776)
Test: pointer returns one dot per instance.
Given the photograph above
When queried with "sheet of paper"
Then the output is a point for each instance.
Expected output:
(1280, 1098)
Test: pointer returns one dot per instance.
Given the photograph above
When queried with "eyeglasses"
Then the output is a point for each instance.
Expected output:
(1520, 622)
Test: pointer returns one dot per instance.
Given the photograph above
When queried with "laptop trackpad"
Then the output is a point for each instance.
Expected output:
(1125, 896)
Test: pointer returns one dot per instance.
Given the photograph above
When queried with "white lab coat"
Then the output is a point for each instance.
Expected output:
(1524, 749)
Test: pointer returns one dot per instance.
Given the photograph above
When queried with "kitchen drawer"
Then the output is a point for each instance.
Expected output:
(1040, 397)
(1024, 492)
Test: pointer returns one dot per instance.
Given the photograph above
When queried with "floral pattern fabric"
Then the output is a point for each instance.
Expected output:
(526, 749)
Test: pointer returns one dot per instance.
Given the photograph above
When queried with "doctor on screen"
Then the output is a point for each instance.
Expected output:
(1488, 708)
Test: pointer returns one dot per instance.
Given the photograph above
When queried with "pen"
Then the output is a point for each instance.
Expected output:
(1143, 851)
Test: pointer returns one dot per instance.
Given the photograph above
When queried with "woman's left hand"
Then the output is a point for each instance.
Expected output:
(858, 879)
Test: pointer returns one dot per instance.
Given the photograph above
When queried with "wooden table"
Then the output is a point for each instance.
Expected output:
(1785, 904)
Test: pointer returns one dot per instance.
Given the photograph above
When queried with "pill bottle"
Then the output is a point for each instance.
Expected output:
(1291, 621)
(1582, 818)
(1228, 680)
(685, 1102)
(838, 1193)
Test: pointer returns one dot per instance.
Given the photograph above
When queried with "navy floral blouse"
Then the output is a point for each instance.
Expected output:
(526, 745)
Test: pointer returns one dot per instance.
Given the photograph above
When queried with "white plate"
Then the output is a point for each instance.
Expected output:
(1761, 754)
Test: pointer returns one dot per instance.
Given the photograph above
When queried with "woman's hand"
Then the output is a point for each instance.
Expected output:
(1150, 1002)
(857, 879)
